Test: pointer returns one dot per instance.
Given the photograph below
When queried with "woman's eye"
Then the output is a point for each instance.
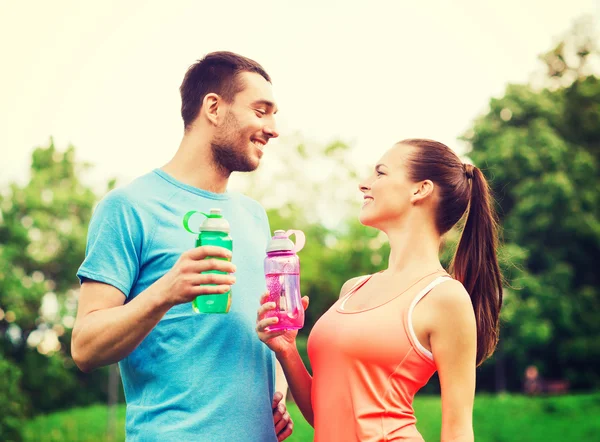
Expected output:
(379, 172)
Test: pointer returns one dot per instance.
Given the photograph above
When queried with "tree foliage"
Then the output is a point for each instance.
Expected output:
(540, 149)
(43, 227)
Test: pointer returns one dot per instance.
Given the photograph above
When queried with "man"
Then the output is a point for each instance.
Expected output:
(188, 376)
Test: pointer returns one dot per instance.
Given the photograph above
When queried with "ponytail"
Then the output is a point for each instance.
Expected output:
(475, 263)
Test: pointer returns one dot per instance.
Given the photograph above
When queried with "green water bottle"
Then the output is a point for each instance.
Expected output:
(214, 231)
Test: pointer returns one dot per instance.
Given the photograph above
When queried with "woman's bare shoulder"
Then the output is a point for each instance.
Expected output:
(451, 301)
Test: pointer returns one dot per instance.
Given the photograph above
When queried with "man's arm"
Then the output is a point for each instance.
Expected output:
(281, 384)
(107, 330)
(281, 417)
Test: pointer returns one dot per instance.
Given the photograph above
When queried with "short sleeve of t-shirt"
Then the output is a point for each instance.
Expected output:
(114, 243)
(266, 224)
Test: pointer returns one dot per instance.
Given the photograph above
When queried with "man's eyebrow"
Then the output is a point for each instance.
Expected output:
(266, 103)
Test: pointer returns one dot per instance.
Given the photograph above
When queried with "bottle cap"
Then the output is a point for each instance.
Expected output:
(214, 222)
(280, 243)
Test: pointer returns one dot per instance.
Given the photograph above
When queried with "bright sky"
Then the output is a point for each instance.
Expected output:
(104, 75)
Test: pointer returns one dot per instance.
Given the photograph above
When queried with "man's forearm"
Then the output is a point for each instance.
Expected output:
(106, 336)
(281, 384)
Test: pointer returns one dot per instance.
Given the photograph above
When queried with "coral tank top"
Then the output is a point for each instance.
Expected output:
(367, 366)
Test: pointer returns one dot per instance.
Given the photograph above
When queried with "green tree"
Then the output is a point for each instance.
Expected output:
(540, 149)
(12, 402)
(43, 226)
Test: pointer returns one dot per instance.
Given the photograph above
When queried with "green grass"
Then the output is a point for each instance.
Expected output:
(516, 418)
(78, 424)
(501, 418)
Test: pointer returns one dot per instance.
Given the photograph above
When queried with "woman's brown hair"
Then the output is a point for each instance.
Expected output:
(463, 188)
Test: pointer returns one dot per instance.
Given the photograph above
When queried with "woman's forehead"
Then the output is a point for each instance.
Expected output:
(396, 156)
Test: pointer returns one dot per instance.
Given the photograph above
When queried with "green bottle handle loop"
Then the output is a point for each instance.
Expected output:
(186, 219)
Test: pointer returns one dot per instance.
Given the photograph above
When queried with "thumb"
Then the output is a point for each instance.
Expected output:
(305, 302)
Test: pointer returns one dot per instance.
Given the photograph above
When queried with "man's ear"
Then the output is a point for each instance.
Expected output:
(422, 191)
(210, 107)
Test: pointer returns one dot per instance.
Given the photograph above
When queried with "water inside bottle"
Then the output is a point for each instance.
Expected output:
(284, 292)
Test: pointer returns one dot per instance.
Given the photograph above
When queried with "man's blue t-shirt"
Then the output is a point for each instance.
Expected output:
(195, 377)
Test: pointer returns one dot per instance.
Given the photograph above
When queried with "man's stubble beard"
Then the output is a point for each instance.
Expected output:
(230, 149)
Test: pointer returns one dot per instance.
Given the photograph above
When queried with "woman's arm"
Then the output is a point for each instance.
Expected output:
(283, 344)
(299, 380)
(453, 341)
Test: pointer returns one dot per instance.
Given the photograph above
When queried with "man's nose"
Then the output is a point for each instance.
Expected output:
(271, 130)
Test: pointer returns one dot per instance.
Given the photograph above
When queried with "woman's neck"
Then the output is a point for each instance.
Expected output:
(414, 249)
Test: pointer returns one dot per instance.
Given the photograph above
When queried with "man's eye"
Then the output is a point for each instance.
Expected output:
(260, 112)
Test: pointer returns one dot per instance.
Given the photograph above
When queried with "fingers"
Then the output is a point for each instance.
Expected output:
(262, 327)
(199, 253)
(210, 283)
(264, 334)
(211, 264)
(200, 290)
(287, 431)
(305, 302)
(264, 309)
(263, 323)
(283, 423)
(277, 397)
(280, 415)
(211, 278)
(265, 297)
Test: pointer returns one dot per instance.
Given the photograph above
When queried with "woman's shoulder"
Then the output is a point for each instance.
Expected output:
(449, 291)
(450, 299)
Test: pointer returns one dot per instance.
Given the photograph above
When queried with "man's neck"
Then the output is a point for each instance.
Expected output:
(193, 164)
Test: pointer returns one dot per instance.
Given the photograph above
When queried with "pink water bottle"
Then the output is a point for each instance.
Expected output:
(282, 271)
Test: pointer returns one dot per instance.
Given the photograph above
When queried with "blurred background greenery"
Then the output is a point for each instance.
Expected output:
(539, 146)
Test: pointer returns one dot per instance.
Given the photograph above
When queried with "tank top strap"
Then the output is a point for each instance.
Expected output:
(408, 318)
(362, 281)
(421, 293)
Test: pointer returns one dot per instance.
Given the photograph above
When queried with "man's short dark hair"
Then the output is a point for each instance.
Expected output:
(216, 73)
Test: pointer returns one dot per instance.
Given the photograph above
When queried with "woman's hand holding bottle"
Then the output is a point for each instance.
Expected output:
(280, 341)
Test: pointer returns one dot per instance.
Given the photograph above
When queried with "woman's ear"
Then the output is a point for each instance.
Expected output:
(422, 191)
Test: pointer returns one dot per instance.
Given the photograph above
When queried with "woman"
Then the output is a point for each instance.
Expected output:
(389, 332)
